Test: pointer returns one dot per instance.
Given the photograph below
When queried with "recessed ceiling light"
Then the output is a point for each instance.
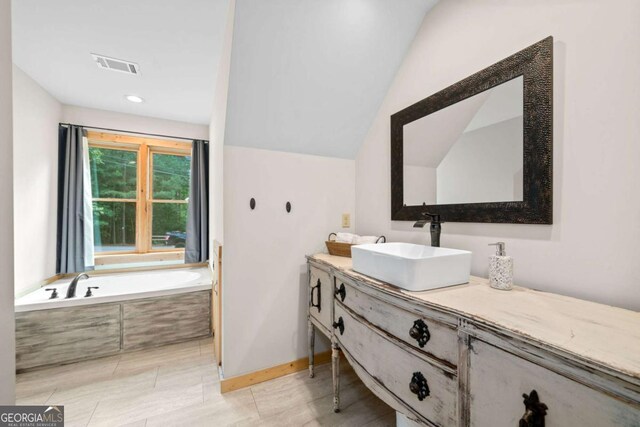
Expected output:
(134, 98)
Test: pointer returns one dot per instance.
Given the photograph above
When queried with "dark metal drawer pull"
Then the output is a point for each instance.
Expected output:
(316, 287)
(535, 411)
(339, 325)
(341, 292)
(420, 332)
(419, 386)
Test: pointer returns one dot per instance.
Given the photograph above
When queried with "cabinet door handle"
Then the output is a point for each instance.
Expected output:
(341, 292)
(339, 325)
(319, 289)
(419, 386)
(420, 332)
(534, 412)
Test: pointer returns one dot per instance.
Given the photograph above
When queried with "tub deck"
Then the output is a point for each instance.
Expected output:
(118, 287)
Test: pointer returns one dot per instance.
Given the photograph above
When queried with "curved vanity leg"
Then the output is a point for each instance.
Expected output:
(335, 370)
(312, 339)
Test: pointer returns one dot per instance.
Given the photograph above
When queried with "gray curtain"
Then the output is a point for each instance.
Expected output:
(197, 244)
(71, 228)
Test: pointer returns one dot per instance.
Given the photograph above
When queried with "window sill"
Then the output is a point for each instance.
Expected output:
(151, 257)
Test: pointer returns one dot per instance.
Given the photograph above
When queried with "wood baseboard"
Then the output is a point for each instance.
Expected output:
(242, 381)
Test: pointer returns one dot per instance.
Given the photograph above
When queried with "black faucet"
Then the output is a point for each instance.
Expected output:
(71, 291)
(54, 294)
(435, 227)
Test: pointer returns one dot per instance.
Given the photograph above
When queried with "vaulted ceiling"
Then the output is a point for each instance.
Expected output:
(306, 76)
(309, 76)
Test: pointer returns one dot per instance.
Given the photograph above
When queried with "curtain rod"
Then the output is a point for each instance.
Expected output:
(135, 133)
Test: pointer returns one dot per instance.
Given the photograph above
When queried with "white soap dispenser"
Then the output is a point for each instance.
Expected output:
(500, 268)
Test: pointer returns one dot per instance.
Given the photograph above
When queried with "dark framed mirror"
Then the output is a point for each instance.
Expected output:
(480, 150)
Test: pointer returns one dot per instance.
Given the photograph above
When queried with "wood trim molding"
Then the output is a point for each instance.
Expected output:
(52, 279)
(216, 304)
(126, 258)
(112, 138)
(101, 272)
(242, 381)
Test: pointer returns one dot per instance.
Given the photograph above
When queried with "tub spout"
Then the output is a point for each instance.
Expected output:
(71, 292)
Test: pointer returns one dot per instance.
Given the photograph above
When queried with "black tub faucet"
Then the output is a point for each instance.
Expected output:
(71, 291)
(435, 227)
(54, 294)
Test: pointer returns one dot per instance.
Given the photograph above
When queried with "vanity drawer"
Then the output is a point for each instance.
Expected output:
(320, 296)
(434, 338)
(393, 366)
(497, 381)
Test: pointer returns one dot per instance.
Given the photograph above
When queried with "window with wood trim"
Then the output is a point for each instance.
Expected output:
(140, 191)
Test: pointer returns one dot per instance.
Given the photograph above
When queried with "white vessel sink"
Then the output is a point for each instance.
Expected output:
(412, 267)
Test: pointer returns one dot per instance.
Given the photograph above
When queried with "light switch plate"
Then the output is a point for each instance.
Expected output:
(346, 220)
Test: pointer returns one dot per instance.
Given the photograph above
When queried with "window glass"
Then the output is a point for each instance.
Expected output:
(113, 173)
(169, 225)
(125, 204)
(114, 225)
(171, 176)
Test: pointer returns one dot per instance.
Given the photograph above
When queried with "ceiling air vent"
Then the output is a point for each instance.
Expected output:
(114, 64)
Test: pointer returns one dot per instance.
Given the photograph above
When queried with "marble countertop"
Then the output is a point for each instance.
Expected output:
(605, 335)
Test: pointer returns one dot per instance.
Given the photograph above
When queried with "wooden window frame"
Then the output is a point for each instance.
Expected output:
(145, 149)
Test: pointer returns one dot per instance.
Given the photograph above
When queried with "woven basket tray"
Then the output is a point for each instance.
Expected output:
(339, 248)
(342, 249)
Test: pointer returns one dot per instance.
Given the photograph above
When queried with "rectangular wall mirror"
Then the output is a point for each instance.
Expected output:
(481, 149)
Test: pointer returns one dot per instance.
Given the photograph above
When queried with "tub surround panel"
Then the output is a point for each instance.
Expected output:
(65, 335)
(49, 337)
(158, 321)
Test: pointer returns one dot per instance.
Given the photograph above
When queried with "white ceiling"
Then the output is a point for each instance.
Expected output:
(308, 76)
(177, 44)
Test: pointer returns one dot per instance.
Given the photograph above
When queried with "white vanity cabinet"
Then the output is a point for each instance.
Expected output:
(389, 367)
(472, 356)
(321, 298)
(496, 381)
(434, 334)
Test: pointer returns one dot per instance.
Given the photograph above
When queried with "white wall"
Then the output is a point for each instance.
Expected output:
(419, 184)
(217, 132)
(36, 115)
(265, 279)
(592, 249)
(132, 123)
(484, 165)
(7, 326)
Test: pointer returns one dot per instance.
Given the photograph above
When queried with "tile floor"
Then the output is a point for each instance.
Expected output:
(178, 385)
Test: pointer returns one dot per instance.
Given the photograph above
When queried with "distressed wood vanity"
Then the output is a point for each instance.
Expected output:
(470, 355)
